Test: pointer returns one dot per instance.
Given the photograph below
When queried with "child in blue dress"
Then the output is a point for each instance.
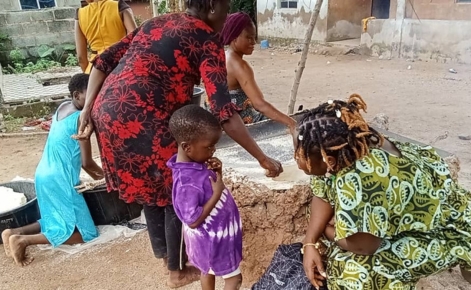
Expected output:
(65, 217)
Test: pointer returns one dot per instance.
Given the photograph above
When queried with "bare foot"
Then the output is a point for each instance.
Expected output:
(184, 277)
(6, 241)
(18, 251)
(166, 272)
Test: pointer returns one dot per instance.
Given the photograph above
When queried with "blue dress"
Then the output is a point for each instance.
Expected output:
(62, 208)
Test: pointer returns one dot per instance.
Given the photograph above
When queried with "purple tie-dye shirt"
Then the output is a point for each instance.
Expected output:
(216, 244)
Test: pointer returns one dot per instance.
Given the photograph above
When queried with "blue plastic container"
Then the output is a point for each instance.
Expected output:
(264, 44)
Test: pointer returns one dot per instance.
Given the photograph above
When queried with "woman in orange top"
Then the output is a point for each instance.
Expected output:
(99, 25)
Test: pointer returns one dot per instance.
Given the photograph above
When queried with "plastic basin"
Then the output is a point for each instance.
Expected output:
(25, 214)
(197, 93)
(106, 208)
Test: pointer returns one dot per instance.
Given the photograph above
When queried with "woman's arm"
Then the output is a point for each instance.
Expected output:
(128, 20)
(235, 128)
(321, 213)
(88, 164)
(246, 79)
(81, 47)
(127, 16)
(213, 72)
(103, 65)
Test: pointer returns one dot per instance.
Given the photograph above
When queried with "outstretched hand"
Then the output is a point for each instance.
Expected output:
(272, 167)
(313, 266)
(85, 126)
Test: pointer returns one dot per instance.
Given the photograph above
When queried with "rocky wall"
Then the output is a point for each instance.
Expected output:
(269, 218)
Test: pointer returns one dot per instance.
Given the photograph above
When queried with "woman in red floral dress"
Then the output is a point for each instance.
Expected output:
(134, 88)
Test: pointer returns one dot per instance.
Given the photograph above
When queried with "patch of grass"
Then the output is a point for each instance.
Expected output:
(13, 125)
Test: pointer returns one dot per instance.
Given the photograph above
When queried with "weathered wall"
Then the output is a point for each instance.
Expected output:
(439, 40)
(344, 18)
(9, 5)
(14, 5)
(290, 24)
(435, 9)
(30, 29)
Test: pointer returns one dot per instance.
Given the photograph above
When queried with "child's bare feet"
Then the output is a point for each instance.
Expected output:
(6, 241)
(187, 276)
(18, 250)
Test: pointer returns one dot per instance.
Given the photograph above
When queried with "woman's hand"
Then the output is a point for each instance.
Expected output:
(86, 126)
(272, 167)
(312, 262)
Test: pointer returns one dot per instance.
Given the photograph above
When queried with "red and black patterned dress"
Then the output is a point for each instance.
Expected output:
(151, 74)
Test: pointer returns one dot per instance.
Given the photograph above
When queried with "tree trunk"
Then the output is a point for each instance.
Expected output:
(155, 7)
(302, 62)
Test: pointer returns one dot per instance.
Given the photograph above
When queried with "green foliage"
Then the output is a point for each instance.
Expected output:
(48, 57)
(4, 39)
(162, 9)
(247, 6)
(138, 20)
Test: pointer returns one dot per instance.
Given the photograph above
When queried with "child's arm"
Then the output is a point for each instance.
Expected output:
(88, 164)
(218, 187)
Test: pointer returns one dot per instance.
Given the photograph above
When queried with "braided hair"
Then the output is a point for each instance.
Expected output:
(337, 129)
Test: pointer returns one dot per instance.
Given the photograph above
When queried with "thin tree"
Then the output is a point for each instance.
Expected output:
(302, 62)
(155, 7)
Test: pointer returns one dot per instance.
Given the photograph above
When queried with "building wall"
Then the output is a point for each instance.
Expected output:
(282, 24)
(344, 18)
(439, 40)
(14, 5)
(9, 5)
(32, 28)
(435, 9)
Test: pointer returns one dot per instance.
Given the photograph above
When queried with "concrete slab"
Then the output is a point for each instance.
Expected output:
(19, 89)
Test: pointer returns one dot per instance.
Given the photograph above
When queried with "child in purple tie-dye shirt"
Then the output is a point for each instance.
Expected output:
(211, 222)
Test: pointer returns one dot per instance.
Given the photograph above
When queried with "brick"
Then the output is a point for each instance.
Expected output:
(72, 3)
(23, 41)
(34, 28)
(3, 19)
(16, 17)
(48, 39)
(64, 13)
(61, 26)
(43, 15)
(67, 37)
(12, 30)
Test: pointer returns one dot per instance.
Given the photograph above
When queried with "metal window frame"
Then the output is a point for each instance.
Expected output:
(289, 1)
(38, 5)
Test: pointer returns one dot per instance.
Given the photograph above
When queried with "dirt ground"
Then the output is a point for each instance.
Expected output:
(422, 103)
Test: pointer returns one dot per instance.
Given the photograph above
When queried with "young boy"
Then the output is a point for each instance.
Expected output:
(211, 221)
(65, 217)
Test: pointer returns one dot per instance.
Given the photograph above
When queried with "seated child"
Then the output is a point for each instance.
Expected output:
(65, 217)
(211, 223)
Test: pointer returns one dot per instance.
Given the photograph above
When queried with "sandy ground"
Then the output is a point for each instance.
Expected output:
(422, 102)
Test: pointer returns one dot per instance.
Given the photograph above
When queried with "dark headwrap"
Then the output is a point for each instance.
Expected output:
(235, 24)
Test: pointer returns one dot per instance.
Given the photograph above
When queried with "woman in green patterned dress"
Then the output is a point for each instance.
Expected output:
(389, 211)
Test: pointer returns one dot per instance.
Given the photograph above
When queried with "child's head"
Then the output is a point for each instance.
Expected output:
(78, 89)
(239, 32)
(197, 132)
(333, 136)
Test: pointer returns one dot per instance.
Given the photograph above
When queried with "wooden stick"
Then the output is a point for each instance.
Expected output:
(23, 134)
(302, 62)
